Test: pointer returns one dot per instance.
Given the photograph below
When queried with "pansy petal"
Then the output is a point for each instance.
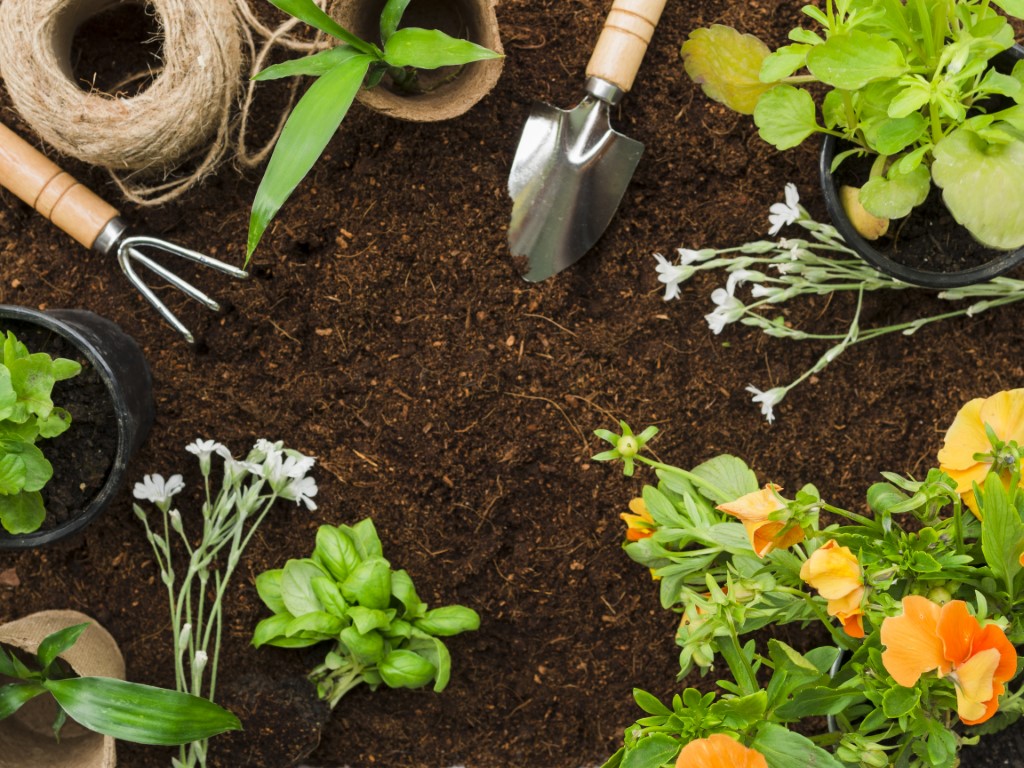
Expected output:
(719, 751)
(992, 636)
(854, 626)
(975, 684)
(912, 645)
(988, 708)
(965, 478)
(1004, 412)
(957, 629)
(754, 506)
(964, 438)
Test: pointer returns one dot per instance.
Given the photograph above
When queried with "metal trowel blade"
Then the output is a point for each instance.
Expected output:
(568, 177)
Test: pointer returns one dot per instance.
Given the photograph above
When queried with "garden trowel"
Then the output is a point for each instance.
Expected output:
(572, 168)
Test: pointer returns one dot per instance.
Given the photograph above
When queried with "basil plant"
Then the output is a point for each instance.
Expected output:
(128, 711)
(910, 83)
(347, 593)
(340, 73)
(27, 413)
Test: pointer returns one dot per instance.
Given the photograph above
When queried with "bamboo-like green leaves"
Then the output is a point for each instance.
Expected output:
(129, 711)
(341, 72)
(140, 713)
(310, 126)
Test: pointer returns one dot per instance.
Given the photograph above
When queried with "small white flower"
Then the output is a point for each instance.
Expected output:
(741, 276)
(175, 517)
(205, 448)
(672, 275)
(185, 635)
(768, 400)
(729, 309)
(199, 663)
(764, 291)
(155, 489)
(782, 214)
(301, 490)
(688, 257)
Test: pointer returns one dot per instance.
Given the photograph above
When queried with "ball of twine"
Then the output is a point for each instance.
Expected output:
(186, 105)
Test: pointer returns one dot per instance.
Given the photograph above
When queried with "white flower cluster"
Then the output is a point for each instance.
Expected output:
(790, 267)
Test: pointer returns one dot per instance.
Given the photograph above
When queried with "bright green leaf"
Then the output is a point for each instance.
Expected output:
(405, 669)
(972, 173)
(431, 48)
(783, 748)
(899, 701)
(366, 647)
(23, 512)
(309, 128)
(727, 474)
(309, 12)
(369, 584)
(316, 64)
(853, 59)
(892, 198)
(140, 713)
(296, 589)
(55, 644)
(783, 62)
(391, 17)
(14, 695)
(651, 751)
(448, 620)
(268, 587)
(785, 116)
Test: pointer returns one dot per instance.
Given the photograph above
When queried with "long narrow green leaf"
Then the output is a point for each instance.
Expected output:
(391, 17)
(310, 126)
(13, 696)
(307, 11)
(140, 713)
(431, 48)
(315, 64)
(54, 645)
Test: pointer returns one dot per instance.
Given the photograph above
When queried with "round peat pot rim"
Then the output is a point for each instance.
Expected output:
(443, 101)
(1005, 261)
(62, 322)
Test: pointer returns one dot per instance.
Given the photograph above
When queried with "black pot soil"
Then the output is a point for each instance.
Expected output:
(928, 247)
(111, 407)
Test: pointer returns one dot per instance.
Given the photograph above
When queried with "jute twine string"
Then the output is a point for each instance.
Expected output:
(184, 115)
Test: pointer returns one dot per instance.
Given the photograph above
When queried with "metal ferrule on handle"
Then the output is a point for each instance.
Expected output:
(623, 42)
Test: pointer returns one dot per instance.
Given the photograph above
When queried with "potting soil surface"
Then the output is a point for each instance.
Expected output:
(387, 331)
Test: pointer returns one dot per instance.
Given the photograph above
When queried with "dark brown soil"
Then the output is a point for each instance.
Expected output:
(82, 456)
(386, 331)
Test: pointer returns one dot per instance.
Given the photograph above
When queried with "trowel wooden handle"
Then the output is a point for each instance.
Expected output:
(624, 40)
(30, 175)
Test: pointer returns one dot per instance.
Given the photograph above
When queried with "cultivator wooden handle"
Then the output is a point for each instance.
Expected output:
(627, 33)
(31, 176)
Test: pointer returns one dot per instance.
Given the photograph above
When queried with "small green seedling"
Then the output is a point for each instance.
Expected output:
(348, 593)
(27, 413)
(340, 73)
(128, 711)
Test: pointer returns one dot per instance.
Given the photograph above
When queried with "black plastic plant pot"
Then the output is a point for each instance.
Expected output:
(999, 263)
(122, 367)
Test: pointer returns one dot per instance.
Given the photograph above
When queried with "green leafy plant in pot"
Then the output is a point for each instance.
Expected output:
(342, 71)
(914, 87)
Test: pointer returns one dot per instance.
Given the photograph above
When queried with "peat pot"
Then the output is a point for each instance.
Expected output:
(26, 737)
(961, 261)
(447, 92)
(120, 375)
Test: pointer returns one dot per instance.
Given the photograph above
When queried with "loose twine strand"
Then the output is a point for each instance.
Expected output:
(186, 115)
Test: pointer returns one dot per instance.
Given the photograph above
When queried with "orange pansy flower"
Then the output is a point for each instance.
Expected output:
(966, 437)
(640, 524)
(719, 751)
(753, 510)
(946, 639)
(834, 571)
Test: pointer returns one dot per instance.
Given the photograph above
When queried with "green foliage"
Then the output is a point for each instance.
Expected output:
(911, 82)
(916, 539)
(341, 72)
(27, 413)
(347, 593)
(128, 711)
